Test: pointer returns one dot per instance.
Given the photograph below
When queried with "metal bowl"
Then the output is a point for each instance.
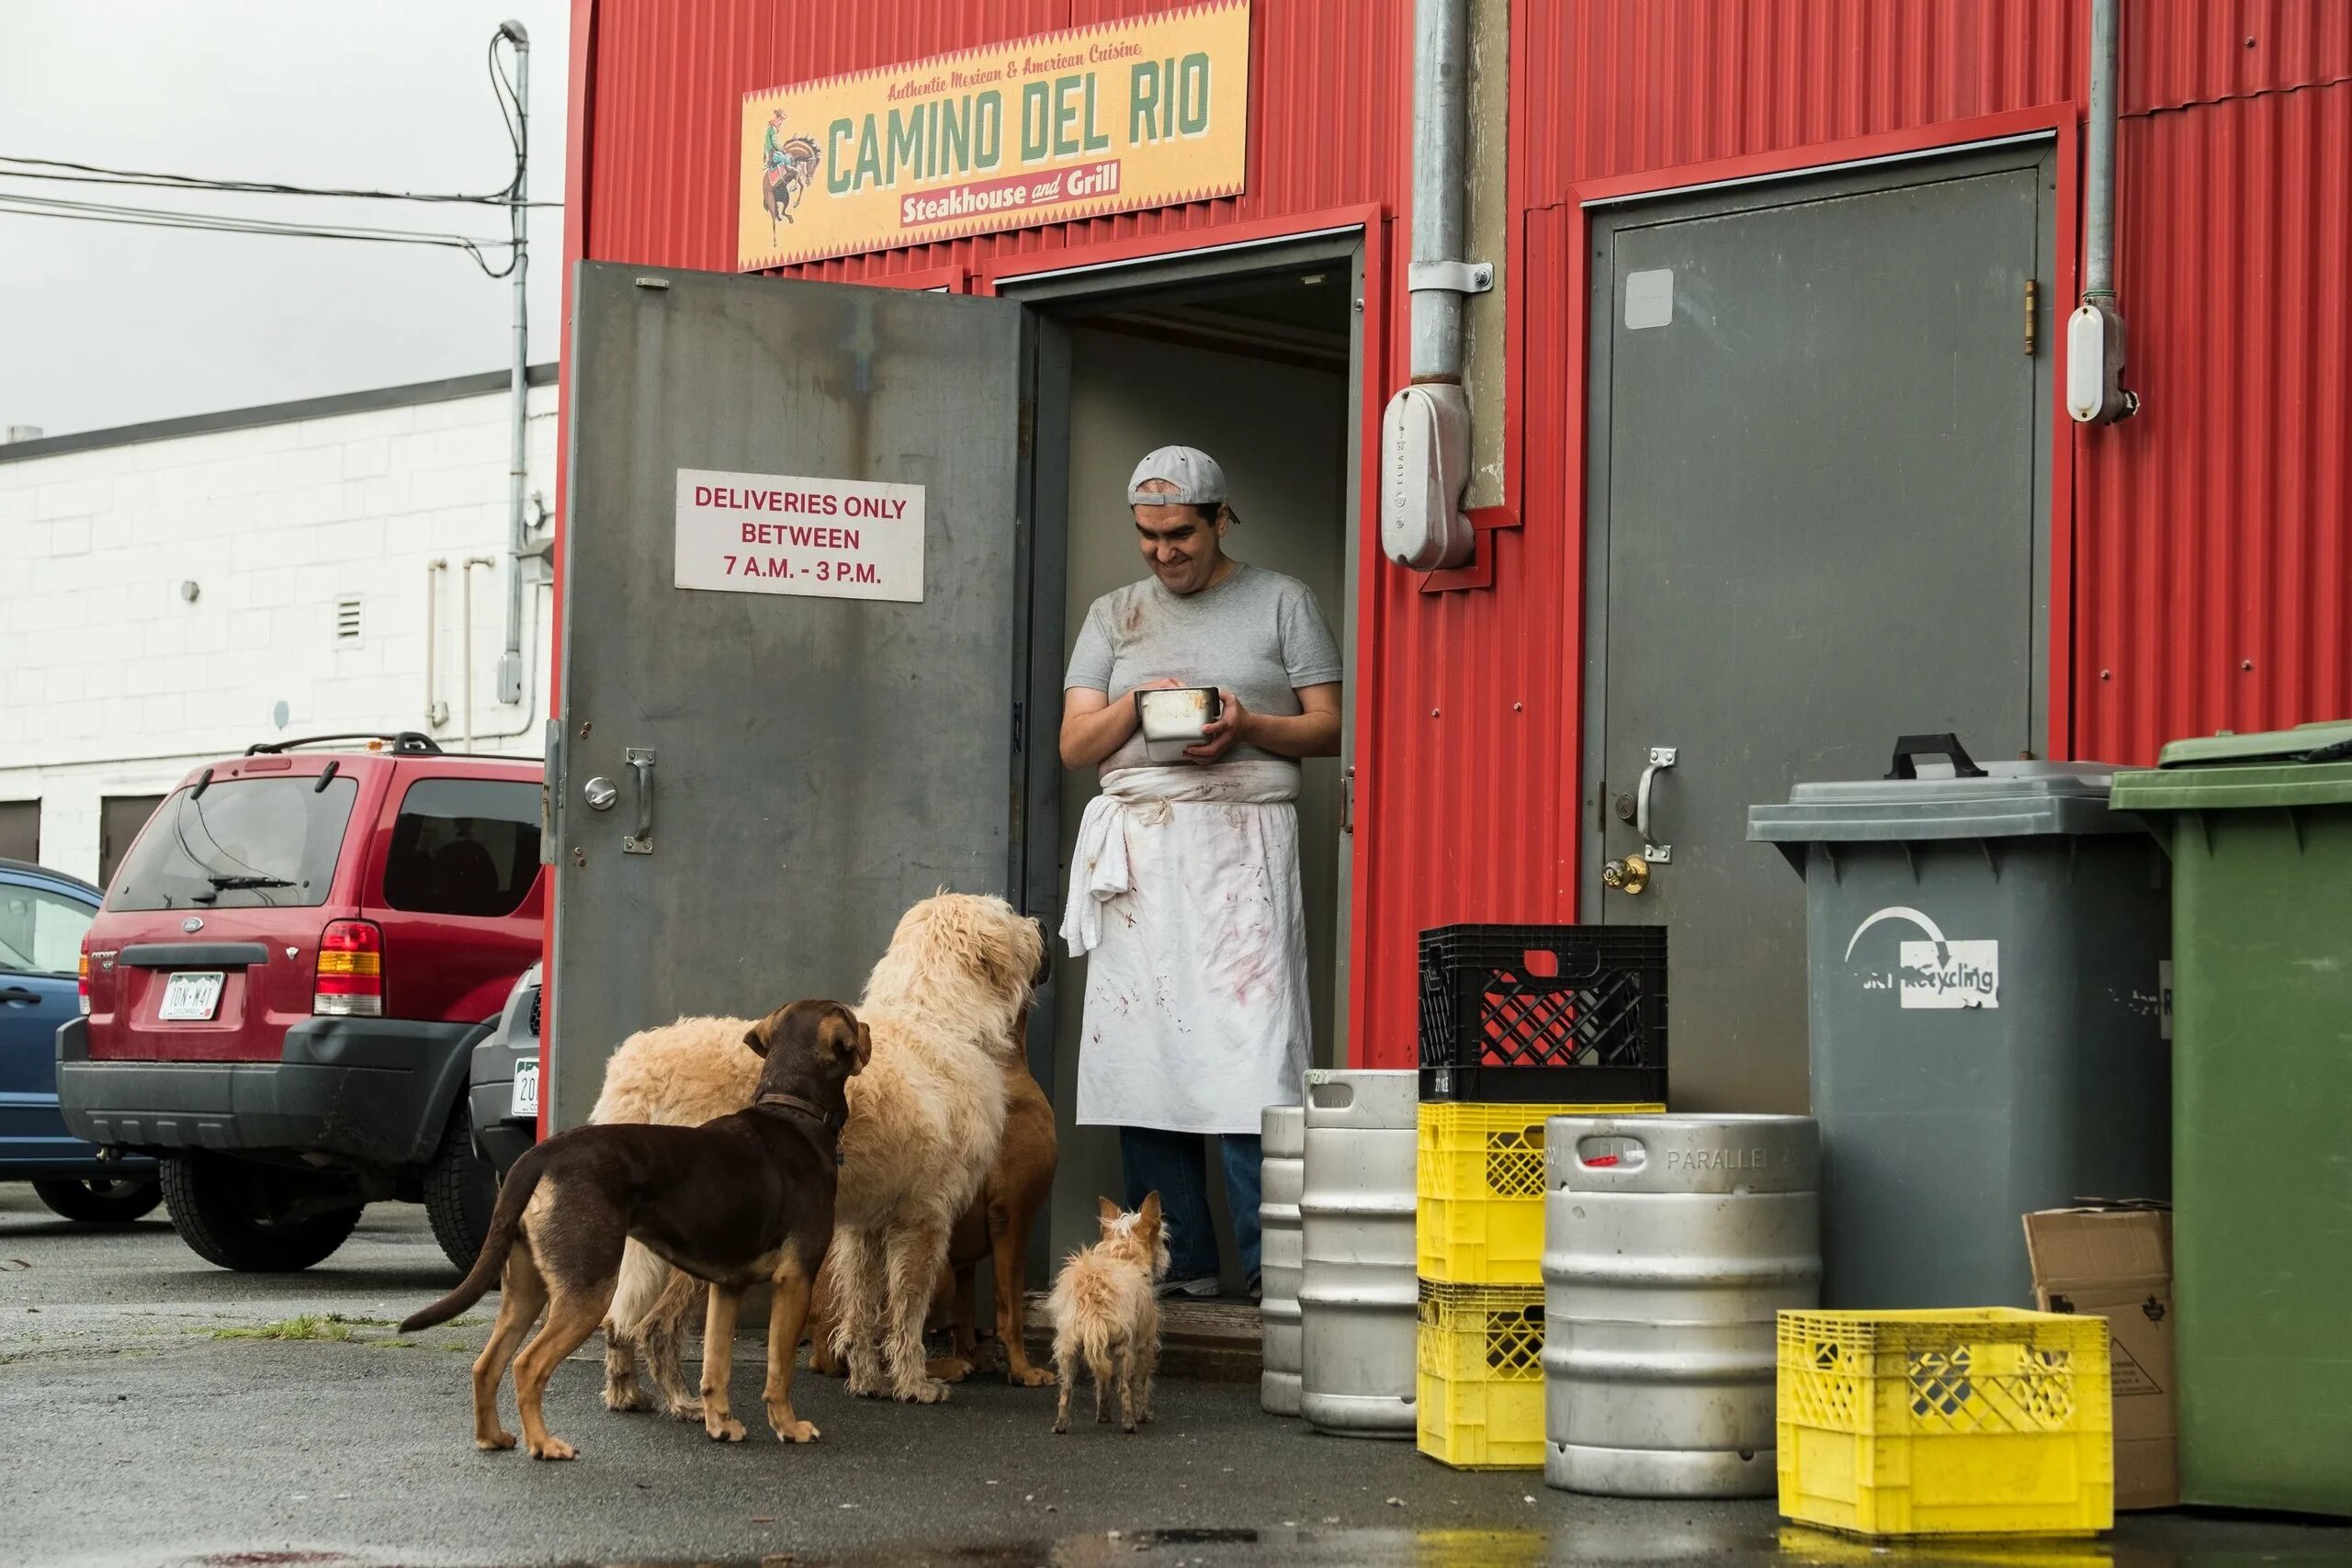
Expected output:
(1174, 717)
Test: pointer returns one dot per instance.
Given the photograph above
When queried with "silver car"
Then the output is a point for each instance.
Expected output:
(505, 1092)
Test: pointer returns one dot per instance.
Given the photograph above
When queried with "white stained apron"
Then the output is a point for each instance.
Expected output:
(1184, 899)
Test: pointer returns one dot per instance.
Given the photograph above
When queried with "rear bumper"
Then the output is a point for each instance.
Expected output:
(377, 1092)
(499, 1137)
(86, 1165)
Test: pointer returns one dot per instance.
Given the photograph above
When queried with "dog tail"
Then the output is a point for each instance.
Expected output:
(505, 1220)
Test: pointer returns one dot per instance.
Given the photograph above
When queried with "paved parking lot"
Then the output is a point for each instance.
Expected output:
(142, 1422)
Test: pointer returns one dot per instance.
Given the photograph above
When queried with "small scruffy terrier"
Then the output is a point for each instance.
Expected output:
(1106, 1313)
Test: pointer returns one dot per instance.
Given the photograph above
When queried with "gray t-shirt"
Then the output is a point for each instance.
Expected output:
(1258, 635)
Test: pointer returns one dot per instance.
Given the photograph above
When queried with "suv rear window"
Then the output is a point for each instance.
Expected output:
(242, 844)
(464, 847)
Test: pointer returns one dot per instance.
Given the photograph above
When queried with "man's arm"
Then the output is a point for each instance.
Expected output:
(1314, 732)
(1094, 726)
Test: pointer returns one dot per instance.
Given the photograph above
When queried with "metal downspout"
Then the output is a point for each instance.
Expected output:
(518, 541)
(1441, 198)
(2094, 337)
(2098, 180)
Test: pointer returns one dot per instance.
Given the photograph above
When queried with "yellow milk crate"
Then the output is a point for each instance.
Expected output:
(1975, 1421)
(1479, 1383)
(1479, 1189)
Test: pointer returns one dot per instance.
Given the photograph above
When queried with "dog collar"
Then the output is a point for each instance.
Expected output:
(815, 1112)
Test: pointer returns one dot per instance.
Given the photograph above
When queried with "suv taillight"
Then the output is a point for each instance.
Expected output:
(351, 971)
(82, 983)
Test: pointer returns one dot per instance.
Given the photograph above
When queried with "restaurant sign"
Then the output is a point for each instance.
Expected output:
(1113, 117)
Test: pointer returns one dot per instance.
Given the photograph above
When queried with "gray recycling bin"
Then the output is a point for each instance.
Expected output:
(1985, 951)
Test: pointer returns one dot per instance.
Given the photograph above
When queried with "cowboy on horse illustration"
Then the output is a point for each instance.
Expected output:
(791, 163)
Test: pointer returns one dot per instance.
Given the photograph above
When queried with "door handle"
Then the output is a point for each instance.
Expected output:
(1629, 876)
(1656, 854)
(19, 994)
(640, 771)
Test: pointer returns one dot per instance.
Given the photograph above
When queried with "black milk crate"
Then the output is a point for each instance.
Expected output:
(1529, 1014)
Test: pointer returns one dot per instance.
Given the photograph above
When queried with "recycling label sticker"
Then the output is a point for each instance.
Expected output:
(1937, 972)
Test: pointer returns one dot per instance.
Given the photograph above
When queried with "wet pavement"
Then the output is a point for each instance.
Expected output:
(141, 1424)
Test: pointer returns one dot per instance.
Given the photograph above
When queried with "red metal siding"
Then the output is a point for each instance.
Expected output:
(1467, 747)
(2214, 587)
(2208, 534)
(1620, 87)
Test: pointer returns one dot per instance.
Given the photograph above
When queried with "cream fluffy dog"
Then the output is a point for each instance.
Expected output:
(925, 1118)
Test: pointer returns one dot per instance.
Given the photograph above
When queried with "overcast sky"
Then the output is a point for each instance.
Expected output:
(102, 325)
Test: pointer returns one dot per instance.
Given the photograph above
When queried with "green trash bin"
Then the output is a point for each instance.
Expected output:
(2260, 827)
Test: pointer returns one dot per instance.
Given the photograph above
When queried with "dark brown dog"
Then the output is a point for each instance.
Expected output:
(742, 1199)
(995, 1229)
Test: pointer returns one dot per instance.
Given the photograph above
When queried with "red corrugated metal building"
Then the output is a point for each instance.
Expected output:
(2197, 564)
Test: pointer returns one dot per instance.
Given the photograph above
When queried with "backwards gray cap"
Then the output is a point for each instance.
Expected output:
(1198, 481)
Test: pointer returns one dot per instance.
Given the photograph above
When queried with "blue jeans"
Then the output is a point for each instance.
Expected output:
(1175, 1166)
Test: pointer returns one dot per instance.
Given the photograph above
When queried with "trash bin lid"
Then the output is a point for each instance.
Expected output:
(2308, 766)
(2010, 800)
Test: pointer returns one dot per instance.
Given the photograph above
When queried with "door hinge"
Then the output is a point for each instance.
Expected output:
(2029, 293)
(1020, 736)
(1347, 800)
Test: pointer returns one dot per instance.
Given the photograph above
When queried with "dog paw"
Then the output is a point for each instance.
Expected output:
(1030, 1377)
(948, 1368)
(554, 1447)
(926, 1391)
(496, 1442)
(625, 1397)
(1061, 1427)
(725, 1430)
(796, 1431)
(1129, 1429)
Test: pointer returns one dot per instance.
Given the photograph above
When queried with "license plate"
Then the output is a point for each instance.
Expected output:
(190, 998)
(527, 1089)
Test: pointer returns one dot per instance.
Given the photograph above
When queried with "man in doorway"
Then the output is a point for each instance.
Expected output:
(1184, 886)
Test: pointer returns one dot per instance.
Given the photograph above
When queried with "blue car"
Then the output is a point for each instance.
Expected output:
(43, 915)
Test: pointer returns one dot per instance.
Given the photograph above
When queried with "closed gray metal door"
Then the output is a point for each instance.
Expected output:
(1819, 474)
(782, 774)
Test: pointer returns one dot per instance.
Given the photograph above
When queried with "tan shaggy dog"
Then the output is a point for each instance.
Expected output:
(994, 1230)
(1106, 1313)
(925, 1118)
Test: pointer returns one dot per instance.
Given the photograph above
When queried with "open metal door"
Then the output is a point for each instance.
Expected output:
(752, 778)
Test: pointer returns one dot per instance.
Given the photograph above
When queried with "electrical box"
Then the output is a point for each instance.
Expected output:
(1424, 466)
(2095, 394)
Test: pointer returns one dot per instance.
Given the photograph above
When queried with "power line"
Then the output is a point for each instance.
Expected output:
(141, 180)
(15, 205)
(227, 220)
(99, 174)
(510, 113)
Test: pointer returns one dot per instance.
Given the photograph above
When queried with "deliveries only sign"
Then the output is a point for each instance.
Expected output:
(1105, 118)
(791, 534)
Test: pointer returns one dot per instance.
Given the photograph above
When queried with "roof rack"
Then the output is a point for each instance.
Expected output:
(407, 742)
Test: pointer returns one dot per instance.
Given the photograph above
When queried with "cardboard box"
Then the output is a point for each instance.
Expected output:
(2114, 1260)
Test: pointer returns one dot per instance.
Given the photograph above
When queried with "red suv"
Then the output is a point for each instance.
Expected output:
(284, 989)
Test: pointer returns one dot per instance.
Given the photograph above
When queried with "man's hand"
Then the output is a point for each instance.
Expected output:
(1222, 733)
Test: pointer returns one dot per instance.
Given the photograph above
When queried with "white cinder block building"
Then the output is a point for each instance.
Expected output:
(177, 591)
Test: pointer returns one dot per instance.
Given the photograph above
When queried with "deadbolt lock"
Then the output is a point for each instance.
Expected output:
(1625, 806)
(1629, 876)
